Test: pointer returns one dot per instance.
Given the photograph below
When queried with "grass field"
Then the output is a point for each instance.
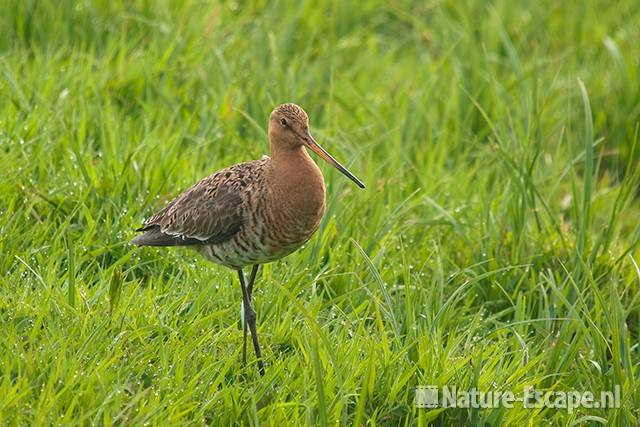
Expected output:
(496, 244)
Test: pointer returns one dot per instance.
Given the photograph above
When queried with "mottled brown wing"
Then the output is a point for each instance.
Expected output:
(209, 212)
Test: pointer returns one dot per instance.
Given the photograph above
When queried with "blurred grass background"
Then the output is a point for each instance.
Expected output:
(495, 247)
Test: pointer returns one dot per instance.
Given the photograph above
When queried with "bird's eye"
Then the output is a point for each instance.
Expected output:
(283, 121)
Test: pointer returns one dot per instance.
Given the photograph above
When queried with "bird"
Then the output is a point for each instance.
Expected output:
(252, 213)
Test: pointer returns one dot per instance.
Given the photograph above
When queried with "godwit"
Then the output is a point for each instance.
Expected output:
(251, 213)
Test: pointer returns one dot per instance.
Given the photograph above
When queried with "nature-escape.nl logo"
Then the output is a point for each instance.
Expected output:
(431, 396)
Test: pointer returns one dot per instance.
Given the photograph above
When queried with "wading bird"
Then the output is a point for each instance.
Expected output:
(251, 213)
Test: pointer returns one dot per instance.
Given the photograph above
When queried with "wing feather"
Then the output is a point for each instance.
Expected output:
(209, 212)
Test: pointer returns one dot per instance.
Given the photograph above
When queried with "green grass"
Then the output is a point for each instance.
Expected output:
(495, 246)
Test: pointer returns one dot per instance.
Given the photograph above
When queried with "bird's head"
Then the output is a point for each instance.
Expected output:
(289, 129)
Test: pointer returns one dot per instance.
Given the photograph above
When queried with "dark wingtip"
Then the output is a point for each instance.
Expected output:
(138, 240)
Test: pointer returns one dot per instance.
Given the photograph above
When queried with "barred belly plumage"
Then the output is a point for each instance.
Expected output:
(243, 249)
(260, 241)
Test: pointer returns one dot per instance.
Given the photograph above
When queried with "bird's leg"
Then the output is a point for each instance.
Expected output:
(252, 318)
(252, 278)
(250, 321)
(244, 322)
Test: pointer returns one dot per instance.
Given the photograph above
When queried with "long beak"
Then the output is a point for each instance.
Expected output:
(316, 148)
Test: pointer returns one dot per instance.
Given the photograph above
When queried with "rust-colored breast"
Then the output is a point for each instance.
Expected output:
(296, 203)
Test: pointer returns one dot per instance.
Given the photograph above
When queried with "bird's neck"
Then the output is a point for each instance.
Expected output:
(297, 178)
(294, 166)
(285, 154)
